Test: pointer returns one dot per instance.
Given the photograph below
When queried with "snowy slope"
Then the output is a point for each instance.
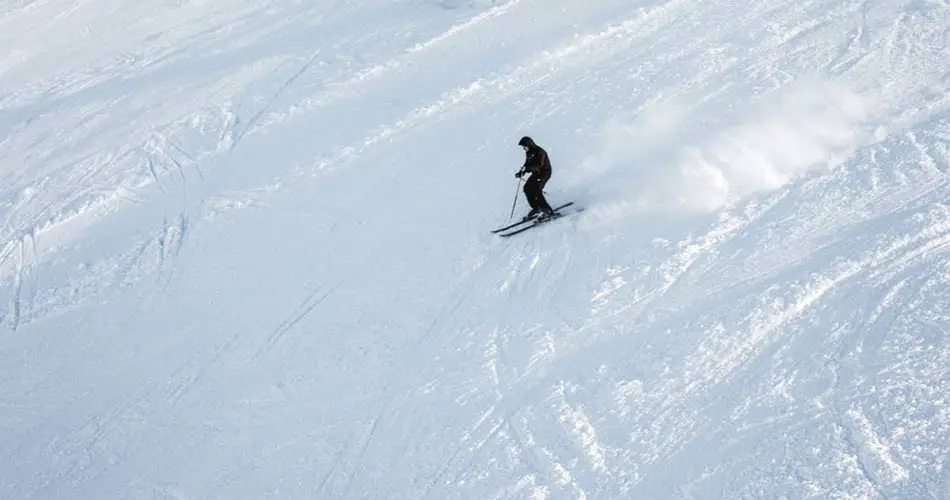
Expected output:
(244, 249)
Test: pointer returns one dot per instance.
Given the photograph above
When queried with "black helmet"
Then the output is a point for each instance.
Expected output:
(526, 142)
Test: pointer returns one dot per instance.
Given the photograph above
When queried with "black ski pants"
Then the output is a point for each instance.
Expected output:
(534, 191)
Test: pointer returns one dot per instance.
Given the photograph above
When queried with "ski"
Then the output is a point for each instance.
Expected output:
(515, 224)
(523, 229)
(533, 219)
(538, 222)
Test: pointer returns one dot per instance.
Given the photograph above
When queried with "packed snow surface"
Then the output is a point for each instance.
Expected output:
(245, 249)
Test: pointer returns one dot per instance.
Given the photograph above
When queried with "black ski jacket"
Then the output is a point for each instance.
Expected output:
(537, 162)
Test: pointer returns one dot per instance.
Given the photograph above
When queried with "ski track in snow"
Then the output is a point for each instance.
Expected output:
(244, 250)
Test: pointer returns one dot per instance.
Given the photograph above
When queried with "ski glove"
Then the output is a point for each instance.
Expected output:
(519, 174)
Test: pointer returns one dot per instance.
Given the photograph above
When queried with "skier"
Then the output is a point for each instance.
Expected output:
(538, 165)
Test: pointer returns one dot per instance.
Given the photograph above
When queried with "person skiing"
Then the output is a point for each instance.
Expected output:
(538, 165)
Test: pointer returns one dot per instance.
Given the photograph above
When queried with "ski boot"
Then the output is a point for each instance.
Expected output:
(546, 214)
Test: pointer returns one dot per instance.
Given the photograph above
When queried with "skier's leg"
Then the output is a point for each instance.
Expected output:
(528, 192)
(531, 191)
(541, 202)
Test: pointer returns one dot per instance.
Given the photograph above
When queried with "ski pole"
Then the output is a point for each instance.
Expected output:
(515, 202)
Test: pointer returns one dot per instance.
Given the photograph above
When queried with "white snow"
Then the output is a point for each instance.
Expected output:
(245, 249)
